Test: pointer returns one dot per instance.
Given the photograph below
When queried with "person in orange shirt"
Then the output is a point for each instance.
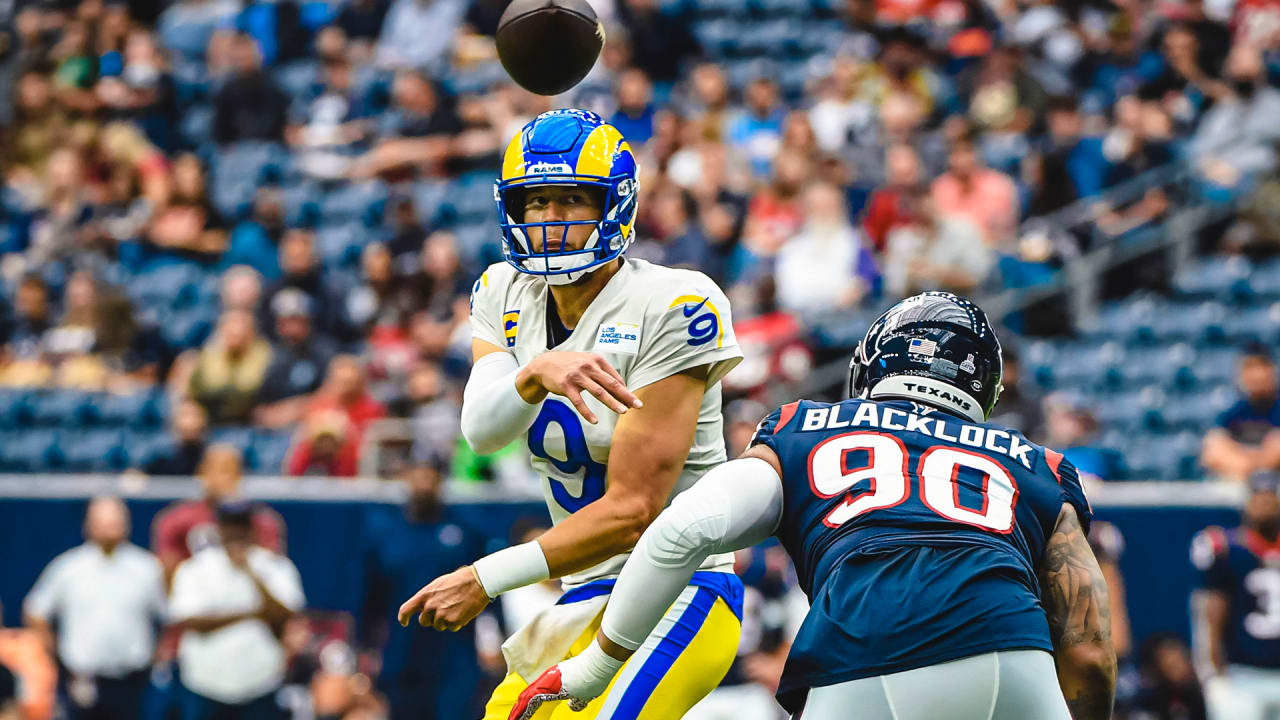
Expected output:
(985, 197)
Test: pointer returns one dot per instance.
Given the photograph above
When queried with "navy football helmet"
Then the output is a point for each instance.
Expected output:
(936, 348)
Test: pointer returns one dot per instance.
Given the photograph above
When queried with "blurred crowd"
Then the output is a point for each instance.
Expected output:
(274, 210)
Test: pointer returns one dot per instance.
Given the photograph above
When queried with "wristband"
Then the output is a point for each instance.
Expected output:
(512, 568)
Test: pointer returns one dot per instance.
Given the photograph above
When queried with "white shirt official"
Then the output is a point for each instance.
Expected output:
(242, 661)
(106, 605)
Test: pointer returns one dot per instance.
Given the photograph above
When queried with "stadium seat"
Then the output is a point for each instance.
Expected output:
(62, 408)
(32, 450)
(297, 78)
(237, 171)
(340, 245)
(16, 410)
(183, 329)
(269, 450)
(1264, 281)
(1129, 411)
(1224, 278)
(1255, 323)
(100, 450)
(120, 410)
(240, 437)
(363, 201)
(428, 199)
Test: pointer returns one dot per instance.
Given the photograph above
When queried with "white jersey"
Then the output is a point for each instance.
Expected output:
(650, 322)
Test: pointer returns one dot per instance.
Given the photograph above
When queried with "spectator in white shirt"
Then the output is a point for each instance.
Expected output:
(107, 597)
(827, 266)
(232, 601)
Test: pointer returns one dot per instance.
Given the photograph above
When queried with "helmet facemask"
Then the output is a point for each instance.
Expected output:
(563, 265)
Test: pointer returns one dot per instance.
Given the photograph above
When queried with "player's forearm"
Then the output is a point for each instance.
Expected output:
(1077, 607)
(1087, 674)
(597, 532)
(494, 412)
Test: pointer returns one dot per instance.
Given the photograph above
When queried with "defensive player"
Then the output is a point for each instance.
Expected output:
(945, 559)
(1237, 609)
(610, 369)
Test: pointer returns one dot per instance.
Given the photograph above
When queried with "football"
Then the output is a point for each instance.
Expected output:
(548, 46)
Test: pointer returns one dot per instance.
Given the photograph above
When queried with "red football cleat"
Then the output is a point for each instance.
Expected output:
(546, 688)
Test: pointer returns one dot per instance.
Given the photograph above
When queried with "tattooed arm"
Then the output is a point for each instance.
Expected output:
(1075, 600)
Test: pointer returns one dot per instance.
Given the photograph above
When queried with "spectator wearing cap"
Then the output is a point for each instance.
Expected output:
(402, 545)
(182, 455)
(828, 265)
(985, 197)
(229, 370)
(186, 527)
(1244, 438)
(106, 598)
(333, 425)
(298, 361)
(231, 601)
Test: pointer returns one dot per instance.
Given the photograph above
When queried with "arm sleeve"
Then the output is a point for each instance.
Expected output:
(736, 505)
(493, 412)
(486, 320)
(683, 329)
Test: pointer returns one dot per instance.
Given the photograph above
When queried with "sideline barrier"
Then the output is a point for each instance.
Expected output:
(41, 516)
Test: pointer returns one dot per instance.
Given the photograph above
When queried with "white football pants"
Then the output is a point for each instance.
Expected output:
(1006, 685)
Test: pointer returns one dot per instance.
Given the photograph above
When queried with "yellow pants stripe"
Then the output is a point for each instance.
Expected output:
(697, 664)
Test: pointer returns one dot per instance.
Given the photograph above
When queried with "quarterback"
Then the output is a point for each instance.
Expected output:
(610, 369)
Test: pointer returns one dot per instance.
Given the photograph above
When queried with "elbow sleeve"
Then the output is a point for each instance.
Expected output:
(493, 413)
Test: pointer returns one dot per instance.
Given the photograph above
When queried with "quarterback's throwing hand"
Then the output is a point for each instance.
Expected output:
(448, 603)
(547, 688)
(570, 374)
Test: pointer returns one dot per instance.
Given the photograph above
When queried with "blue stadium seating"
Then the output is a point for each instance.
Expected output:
(269, 449)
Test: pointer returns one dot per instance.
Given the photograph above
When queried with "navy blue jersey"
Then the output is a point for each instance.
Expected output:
(1244, 566)
(916, 534)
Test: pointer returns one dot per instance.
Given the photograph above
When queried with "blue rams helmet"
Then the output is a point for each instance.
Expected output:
(567, 147)
(936, 348)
